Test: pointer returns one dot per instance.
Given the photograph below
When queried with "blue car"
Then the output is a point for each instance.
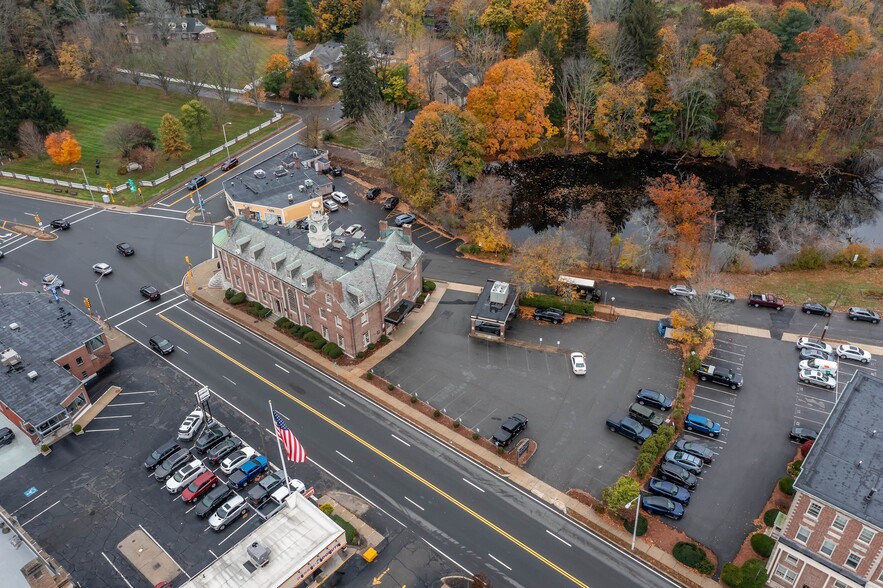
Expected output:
(669, 489)
(653, 398)
(701, 424)
(662, 506)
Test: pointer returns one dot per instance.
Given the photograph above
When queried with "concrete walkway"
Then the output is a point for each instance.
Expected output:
(352, 376)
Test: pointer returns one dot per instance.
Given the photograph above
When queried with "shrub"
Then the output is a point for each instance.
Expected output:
(265, 312)
(384, 339)
(44, 448)
(292, 329)
(877, 257)
(794, 467)
(643, 464)
(752, 574)
(369, 376)
(428, 286)
(693, 556)
(500, 451)
(76, 428)
(620, 493)
(786, 485)
(360, 355)
(327, 509)
(762, 544)
(682, 383)
(769, 517)
(652, 448)
(804, 449)
(691, 364)
(229, 293)
(303, 331)
(629, 524)
(413, 399)
(371, 346)
(390, 387)
(319, 343)
(580, 307)
(332, 350)
(809, 258)
(469, 248)
(237, 299)
(731, 575)
(311, 336)
(421, 299)
(436, 413)
(283, 323)
(475, 436)
(456, 424)
(848, 253)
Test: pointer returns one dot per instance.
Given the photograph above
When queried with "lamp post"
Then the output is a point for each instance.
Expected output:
(713, 234)
(636, 500)
(224, 129)
(100, 299)
(828, 322)
(85, 179)
(612, 305)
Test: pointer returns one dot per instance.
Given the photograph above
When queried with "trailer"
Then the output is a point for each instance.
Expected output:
(582, 288)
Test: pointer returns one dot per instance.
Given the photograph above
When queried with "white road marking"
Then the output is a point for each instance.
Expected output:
(210, 326)
(213, 553)
(414, 503)
(365, 498)
(447, 556)
(282, 368)
(129, 393)
(343, 456)
(85, 217)
(99, 430)
(713, 400)
(402, 441)
(119, 416)
(499, 562)
(116, 570)
(39, 513)
(179, 348)
(164, 551)
(474, 486)
(558, 538)
(142, 324)
(128, 404)
(151, 309)
(283, 416)
(29, 501)
(229, 380)
(728, 351)
(337, 401)
(236, 530)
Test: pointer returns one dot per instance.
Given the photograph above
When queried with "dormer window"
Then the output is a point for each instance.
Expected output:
(278, 261)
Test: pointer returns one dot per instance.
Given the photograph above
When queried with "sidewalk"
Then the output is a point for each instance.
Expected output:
(352, 377)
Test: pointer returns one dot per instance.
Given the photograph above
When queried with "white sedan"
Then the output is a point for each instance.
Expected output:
(236, 459)
(578, 363)
(185, 475)
(190, 425)
(340, 197)
(102, 268)
(352, 230)
(854, 353)
(681, 290)
(817, 378)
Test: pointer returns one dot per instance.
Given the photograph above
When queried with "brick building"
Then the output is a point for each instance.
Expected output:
(49, 352)
(832, 536)
(349, 290)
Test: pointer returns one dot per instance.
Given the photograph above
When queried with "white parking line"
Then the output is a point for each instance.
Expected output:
(129, 393)
(499, 562)
(99, 430)
(447, 556)
(343, 456)
(728, 351)
(179, 348)
(718, 389)
(558, 538)
(732, 361)
(29, 501)
(128, 404)
(282, 368)
(732, 343)
(402, 441)
(229, 380)
(412, 502)
(116, 570)
(809, 421)
(39, 513)
(824, 412)
(233, 532)
(146, 532)
(119, 416)
(713, 400)
(337, 401)
(726, 416)
(474, 486)
(814, 398)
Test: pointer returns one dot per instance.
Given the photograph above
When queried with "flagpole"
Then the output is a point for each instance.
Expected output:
(279, 445)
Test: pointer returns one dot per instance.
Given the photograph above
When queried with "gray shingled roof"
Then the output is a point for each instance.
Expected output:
(46, 331)
(853, 433)
(363, 267)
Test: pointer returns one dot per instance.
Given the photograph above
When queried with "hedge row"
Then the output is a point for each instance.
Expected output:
(580, 307)
(428, 286)
(653, 448)
(316, 341)
(258, 310)
(762, 544)
(233, 297)
(693, 556)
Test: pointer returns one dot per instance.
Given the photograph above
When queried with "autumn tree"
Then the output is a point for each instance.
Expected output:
(815, 59)
(685, 209)
(620, 116)
(486, 220)
(539, 261)
(305, 80)
(511, 103)
(63, 148)
(497, 17)
(172, 137)
(276, 73)
(405, 17)
(360, 87)
(793, 20)
(195, 117)
(336, 16)
(125, 136)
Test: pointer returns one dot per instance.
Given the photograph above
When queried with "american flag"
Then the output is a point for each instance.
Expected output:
(293, 449)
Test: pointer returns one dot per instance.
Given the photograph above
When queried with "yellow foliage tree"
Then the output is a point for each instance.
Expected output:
(485, 230)
(619, 117)
(686, 329)
(63, 148)
(70, 61)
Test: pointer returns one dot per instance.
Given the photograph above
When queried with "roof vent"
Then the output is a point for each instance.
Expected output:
(870, 494)
(9, 357)
(858, 464)
(874, 433)
(290, 198)
(32, 375)
(258, 554)
(14, 326)
(259, 174)
(499, 293)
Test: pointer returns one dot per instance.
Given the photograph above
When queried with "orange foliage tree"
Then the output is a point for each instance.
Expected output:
(512, 105)
(63, 148)
(684, 212)
(818, 50)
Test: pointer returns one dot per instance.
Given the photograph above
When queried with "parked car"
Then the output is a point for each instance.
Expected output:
(340, 197)
(372, 193)
(352, 230)
(766, 300)
(669, 489)
(213, 434)
(808, 353)
(125, 249)
(198, 487)
(259, 493)
(404, 219)
(212, 500)
(509, 430)
(552, 315)
(227, 513)
(681, 290)
(223, 449)
(303, 224)
(653, 398)
(6, 436)
(391, 202)
(689, 462)
(721, 295)
(330, 205)
(191, 425)
(160, 453)
(102, 268)
(161, 344)
(829, 368)
(694, 448)
(248, 472)
(60, 223)
(812, 343)
(716, 375)
(335, 170)
(701, 424)
(196, 182)
(677, 474)
(171, 464)
(232, 462)
(578, 363)
(150, 293)
(802, 435)
(854, 353)
(229, 164)
(646, 416)
(185, 475)
(816, 308)
(858, 313)
(662, 506)
(817, 378)
(336, 82)
(629, 428)
(52, 280)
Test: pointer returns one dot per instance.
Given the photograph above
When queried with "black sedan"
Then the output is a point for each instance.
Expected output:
(150, 293)
(161, 345)
(552, 315)
(697, 449)
(653, 398)
(808, 353)
(391, 202)
(669, 489)
(196, 182)
(215, 498)
(509, 430)
(6, 436)
(223, 449)
(212, 435)
(125, 249)
(662, 506)
(802, 435)
(335, 171)
(60, 224)
(816, 308)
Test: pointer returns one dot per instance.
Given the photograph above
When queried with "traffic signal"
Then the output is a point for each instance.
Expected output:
(187, 259)
(86, 303)
(132, 187)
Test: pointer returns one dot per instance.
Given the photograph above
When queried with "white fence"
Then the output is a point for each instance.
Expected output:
(145, 183)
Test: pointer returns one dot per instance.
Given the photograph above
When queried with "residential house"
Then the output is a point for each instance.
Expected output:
(264, 22)
(327, 54)
(451, 83)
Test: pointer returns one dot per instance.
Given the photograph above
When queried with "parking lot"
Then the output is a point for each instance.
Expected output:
(85, 508)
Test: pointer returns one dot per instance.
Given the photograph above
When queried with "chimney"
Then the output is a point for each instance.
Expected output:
(228, 225)
(297, 162)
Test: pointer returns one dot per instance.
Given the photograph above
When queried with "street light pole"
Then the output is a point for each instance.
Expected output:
(224, 129)
(100, 299)
(637, 501)
(828, 322)
(713, 234)
(85, 179)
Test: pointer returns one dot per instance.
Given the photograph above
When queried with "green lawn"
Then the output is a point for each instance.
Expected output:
(266, 46)
(92, 108)
(348, 138)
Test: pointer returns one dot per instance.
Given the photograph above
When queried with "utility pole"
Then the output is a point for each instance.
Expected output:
(828, 322)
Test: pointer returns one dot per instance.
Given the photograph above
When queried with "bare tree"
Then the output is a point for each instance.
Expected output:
(649, 237)
(793, 233)
(158, 15)
(578, 89)
(383, 130)
(704, 309)
(623, 56)
(248, 62)
(240, 12)
(609, 10)
(187, 65)
(313, 133)
(99, 36)
(158, 63)
(480, 48)
(735, 245)
(30, 139)
(542, 258)
(220, 72)
(590, 231)
(492, 194)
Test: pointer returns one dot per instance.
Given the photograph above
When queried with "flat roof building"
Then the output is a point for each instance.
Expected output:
(495, 307)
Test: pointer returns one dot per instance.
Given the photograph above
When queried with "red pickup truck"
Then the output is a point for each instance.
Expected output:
(768, 300)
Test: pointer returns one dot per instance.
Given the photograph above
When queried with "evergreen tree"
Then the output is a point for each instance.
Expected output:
(290, 51)
(24, 98)
(577, 18)
(360, 86)
(172, 137)
(299, 14)
(641, 23)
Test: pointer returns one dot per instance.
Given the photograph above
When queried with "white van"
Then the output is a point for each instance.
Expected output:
(826, 367)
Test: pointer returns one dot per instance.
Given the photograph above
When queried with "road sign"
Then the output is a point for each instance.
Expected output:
(310, 491)
(30, 491)
(132, 186)
(203, 394)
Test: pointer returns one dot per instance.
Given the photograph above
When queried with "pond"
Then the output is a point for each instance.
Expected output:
(549, 190)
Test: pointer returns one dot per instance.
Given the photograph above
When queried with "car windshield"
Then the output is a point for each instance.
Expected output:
(162, 342)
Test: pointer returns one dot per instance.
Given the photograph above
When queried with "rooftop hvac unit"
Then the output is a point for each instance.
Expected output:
(13, 326)
(308, 183)
(9, 358)
(258, 554)
(301, 188)
(32, 375)
(290, 198)
(499, 293)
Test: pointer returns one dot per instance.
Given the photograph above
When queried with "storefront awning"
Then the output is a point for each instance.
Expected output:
(398, 314)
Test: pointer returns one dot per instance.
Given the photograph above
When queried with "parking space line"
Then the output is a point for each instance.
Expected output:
(39, 513)
(414, 503)
(144, 392)
(121, 416)
(716, 390)
(116, 570)
(337, 401)
(726, 416)
(800, 420)
(814, 398)
(128, 404)
(29, 501)
(558, 538)
(728, 351)
(236, 530)
(824, 412)
(445, 243)
(732, 361)
(400, 440)
(179, 348)
(343, 456)
(229, 380)
(474, 486)
(713, 400)
(213, 553)
(436, 238)
(99, 430)
(499, 562)
(282, 368)
(732, 343)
